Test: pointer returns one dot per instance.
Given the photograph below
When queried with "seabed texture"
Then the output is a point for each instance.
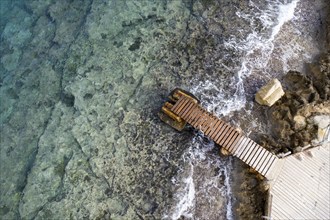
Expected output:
(81, 83)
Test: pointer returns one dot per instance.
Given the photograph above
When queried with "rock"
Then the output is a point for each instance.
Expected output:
(312, 109)
(224, 152)
(321, 134)
(323, 123)
(302, 115)
(10, 61)
(270, 93)
(297, 149)
(299, 122)
(265, 185)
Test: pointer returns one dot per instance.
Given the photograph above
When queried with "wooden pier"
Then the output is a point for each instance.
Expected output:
(299, 183)
(226, 136)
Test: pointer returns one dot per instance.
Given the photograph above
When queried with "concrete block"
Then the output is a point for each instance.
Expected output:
(270, 93)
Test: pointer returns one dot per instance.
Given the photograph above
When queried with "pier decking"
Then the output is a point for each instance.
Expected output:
(299, 183)
(226, 136)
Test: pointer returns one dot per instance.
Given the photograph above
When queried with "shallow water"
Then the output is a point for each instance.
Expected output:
(82, 82)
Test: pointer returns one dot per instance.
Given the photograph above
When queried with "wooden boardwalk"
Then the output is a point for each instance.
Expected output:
(299, 183)
(301, 189)
(226, 136)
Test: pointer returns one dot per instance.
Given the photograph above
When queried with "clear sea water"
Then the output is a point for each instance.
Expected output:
(82, 82)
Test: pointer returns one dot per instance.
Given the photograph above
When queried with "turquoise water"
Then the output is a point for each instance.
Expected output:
(82, 82)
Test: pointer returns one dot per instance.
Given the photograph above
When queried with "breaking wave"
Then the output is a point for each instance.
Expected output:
(256, 53)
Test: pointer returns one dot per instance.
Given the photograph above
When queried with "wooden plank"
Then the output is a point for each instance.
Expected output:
(266, 162)
(221, 131)
(207, 122)
(200, 119)
(177, 104)
(252, 154)
(233, 147)
(255, 157)
(217, 131)
(303, 190)
(259, 158)
(224, 134)
(262, 162)
(182, 107)
(231, 140)
(306, 172)
(212, 124)
(291, 201)
(269, 164)
(246, 149)
(247, 154)
(292, 177)
(240, 147)
(193, 116)
(275, 169)
(187, 109)
(224, 141)
(282, 213)
(214, 131)
(196, 116)
(189, 114)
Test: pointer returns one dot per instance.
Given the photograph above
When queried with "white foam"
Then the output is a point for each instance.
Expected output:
(186, 203)
(286, 13)
(219, 103)
(187, 190)
(229, 195)
(257, 47)
(256, 50)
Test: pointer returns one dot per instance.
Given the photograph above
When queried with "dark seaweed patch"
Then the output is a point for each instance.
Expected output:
(136, 44)
(118, 44)
(104, 36)
(68, 99)
(88, 96)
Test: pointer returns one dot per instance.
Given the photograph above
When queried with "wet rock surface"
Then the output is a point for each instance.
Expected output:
(306, 96)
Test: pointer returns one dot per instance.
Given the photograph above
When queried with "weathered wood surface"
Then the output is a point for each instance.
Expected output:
(226, 136)
(299, 188)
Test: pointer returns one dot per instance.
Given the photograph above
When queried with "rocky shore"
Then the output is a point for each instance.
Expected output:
(297, 120)
(300, 117)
